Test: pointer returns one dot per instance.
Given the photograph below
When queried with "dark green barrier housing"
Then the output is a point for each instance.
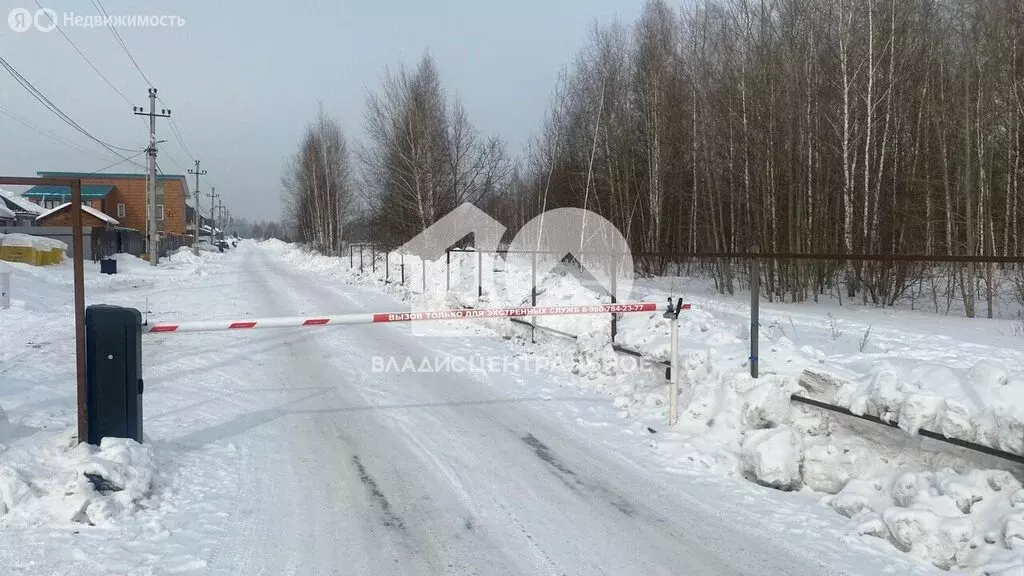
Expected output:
(113, 344)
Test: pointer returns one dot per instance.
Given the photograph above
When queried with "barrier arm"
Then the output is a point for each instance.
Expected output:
(412, 316)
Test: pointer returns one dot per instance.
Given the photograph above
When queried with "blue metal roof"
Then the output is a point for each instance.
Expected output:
(116, 175)
(89, 191)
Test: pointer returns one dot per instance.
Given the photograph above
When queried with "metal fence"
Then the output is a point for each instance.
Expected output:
(719, 282)
(942, 284)
(107, 242)
(171, 242)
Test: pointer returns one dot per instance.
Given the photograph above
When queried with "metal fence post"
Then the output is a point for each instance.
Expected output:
(373, 259)
(755, 295)
(615, 317)
(423, 269)
(5, 289)
(351, 262)
(403, 268)
(448, 270)
(480, 274)
(360, 258)
(672, 375)
(673, 390)
(387, 267)
(533, 294)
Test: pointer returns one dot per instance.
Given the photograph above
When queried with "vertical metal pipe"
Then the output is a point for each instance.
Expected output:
(533, 294)
(755, 293)
(673, 385)
(5, 288)
(615, 286)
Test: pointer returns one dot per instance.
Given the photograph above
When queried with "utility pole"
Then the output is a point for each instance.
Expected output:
(213, 214)
(220, 214)
(151, 172)
(195, 215)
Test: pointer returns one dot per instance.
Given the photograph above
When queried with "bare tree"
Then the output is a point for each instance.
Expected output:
(317, 186)
(422, 156)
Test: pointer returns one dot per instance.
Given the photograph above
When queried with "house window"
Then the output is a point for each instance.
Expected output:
(120, 210)
(159, 211)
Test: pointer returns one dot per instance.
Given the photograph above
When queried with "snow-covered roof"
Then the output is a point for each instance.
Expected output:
(87, 209)
(5, 212)
(22, 203)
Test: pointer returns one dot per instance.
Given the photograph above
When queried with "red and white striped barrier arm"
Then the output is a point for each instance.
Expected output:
(372, 318)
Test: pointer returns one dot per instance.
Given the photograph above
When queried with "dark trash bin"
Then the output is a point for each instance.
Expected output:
(108, 266)
(113, 382)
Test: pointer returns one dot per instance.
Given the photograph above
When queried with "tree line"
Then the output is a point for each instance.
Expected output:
(786, 126)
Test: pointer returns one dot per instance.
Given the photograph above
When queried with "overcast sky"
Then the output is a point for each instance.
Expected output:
(242, 80)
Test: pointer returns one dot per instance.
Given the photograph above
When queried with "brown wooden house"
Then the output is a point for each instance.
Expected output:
(122, 197)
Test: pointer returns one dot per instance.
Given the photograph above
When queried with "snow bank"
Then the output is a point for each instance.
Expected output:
(68, 482)
(772, 457)
(954, 511)
(983, 403)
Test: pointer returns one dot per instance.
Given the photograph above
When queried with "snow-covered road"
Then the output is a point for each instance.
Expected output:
(427, 474)
(284, 452)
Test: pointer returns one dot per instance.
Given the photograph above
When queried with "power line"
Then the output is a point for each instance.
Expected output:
(129, 159)
(173, 161)
(177, 134)
(47, 133)
(174, 125)
(84, 57)
(120, 41)
(98, 4)
(39, 96)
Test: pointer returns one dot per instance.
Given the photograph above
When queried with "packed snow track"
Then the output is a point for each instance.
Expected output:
(284, 452)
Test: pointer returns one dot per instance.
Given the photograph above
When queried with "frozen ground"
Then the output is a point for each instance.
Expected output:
(286, 452)
(962, 378)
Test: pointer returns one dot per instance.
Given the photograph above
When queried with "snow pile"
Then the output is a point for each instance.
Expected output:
(954, 510)
(70, 482)
(184, 256)
(982, 404)
(772, 457)
(951, 519)
(949, 510)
